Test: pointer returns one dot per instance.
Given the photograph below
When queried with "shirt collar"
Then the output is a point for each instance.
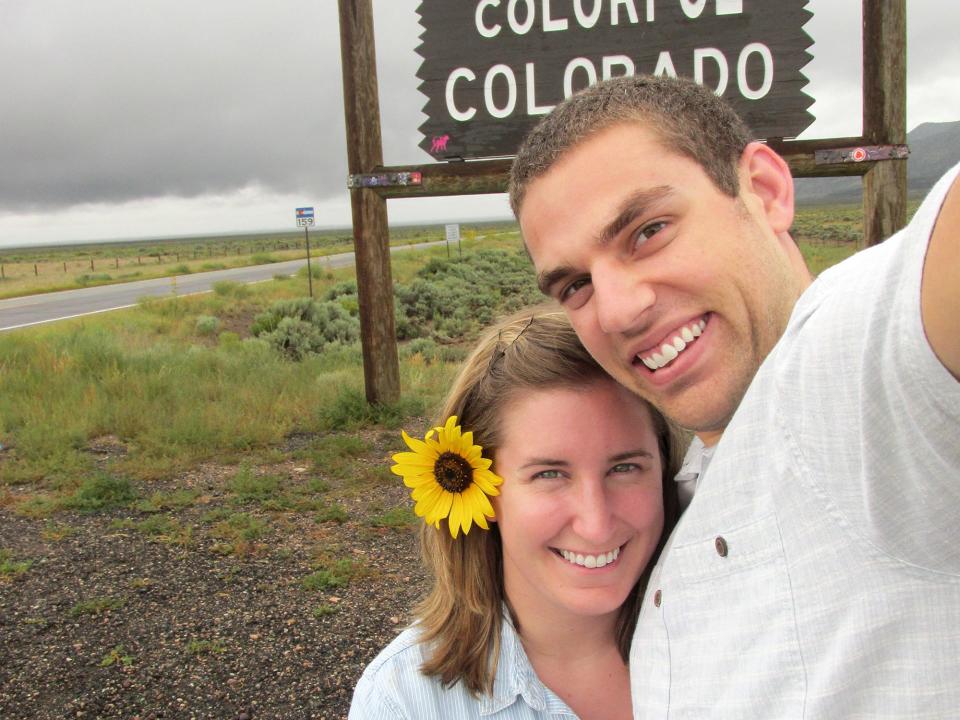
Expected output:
(516, 679)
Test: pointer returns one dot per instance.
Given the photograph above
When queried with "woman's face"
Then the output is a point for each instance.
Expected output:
(580, 510)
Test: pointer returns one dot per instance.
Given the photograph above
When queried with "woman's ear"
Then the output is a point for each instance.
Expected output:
(766, 176)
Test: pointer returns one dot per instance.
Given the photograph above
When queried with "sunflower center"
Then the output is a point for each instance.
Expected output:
(454, 474)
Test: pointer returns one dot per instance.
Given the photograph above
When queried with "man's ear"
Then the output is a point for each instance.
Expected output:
(766, 175)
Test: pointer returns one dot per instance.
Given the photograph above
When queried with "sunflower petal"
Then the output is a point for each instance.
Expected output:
(456, 514)
(418, 446)
(442, 508)
(480, 503)
(412, 458)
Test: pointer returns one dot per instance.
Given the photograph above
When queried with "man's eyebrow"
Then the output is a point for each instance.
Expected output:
(546, 280)
(635, 205)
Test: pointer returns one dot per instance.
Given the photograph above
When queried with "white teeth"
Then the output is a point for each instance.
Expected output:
(591, 561)
(670, 350)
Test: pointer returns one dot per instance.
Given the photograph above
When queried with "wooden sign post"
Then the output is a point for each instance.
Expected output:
(371, 240)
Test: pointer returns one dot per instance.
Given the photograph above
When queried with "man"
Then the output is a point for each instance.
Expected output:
(816, 573)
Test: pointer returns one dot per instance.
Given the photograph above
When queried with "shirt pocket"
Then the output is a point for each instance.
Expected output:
(730, 617)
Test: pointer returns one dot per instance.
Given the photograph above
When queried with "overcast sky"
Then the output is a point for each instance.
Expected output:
(147, 118)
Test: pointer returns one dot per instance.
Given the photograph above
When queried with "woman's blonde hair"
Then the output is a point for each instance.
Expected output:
(460, 619)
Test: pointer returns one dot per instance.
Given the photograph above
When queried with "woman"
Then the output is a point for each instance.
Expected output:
(532, 617)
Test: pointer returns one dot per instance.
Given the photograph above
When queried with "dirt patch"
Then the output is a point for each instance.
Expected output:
(134, 614)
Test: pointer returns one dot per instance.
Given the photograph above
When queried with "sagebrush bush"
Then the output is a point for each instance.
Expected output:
(303, 326)
(207, 325)
(451, 299)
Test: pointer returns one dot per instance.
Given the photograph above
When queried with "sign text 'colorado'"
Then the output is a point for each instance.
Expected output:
(491, 68)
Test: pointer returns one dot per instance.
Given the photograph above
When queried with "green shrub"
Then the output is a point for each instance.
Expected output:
(351, 410)
(336, 575)
(101, 492)
(229, 288)
(207, 325)
(450, 299)
(303, 326)
(263, 259)
(181, 269)
(91, 278)
(248, 487)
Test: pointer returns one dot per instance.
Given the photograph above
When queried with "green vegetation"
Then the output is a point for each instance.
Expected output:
(116, 656)
(205, 647)
(260, 382)
(336, 574)
(400, 517)
(96, 606)
(10, 569)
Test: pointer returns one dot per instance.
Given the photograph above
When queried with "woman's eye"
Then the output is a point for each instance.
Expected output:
(624, 468)
(547, 475)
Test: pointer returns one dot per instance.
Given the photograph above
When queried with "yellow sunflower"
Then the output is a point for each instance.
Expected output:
(449, 476)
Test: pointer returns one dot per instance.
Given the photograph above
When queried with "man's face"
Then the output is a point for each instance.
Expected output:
(677, 289)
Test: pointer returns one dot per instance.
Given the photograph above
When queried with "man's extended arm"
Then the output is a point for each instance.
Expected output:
(940, 291)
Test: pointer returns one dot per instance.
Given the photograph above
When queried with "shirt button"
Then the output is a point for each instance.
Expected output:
(721, 546)
(657, 597)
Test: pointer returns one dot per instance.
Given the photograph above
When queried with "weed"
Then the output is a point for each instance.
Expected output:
(92, 279)
(204, 647)
(338, 574)
(400, 517)
(175, 500)
(324, 610)
(142, 583)
(55, 532)
(96, 606)
(207, 325)
(350, 411)
(39, 506)
(181, 269)
(332, 513)
(100, 492)
(228, 288)
(238, 531)
(11, 569)
(250, 488)
(115, 656)
(160, 527)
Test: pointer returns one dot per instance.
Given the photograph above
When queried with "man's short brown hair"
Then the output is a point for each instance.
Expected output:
(689, 119)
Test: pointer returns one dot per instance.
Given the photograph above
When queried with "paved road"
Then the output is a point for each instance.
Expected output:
(48, 307)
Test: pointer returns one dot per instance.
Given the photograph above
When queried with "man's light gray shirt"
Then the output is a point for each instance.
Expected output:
(816, 573)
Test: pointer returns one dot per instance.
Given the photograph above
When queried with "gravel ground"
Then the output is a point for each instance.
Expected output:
(112, 622)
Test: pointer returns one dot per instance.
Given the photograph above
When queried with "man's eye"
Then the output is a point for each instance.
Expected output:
(648, 231)
(570, 290)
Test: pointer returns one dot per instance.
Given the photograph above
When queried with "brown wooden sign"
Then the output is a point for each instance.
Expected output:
(492, 68)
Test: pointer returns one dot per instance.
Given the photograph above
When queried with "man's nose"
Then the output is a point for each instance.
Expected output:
(621, 295)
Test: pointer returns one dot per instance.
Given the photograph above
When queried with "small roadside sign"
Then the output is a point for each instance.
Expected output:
(304, 216)
(453, 235)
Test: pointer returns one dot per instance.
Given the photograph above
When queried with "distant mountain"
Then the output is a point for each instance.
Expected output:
(934, 148)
